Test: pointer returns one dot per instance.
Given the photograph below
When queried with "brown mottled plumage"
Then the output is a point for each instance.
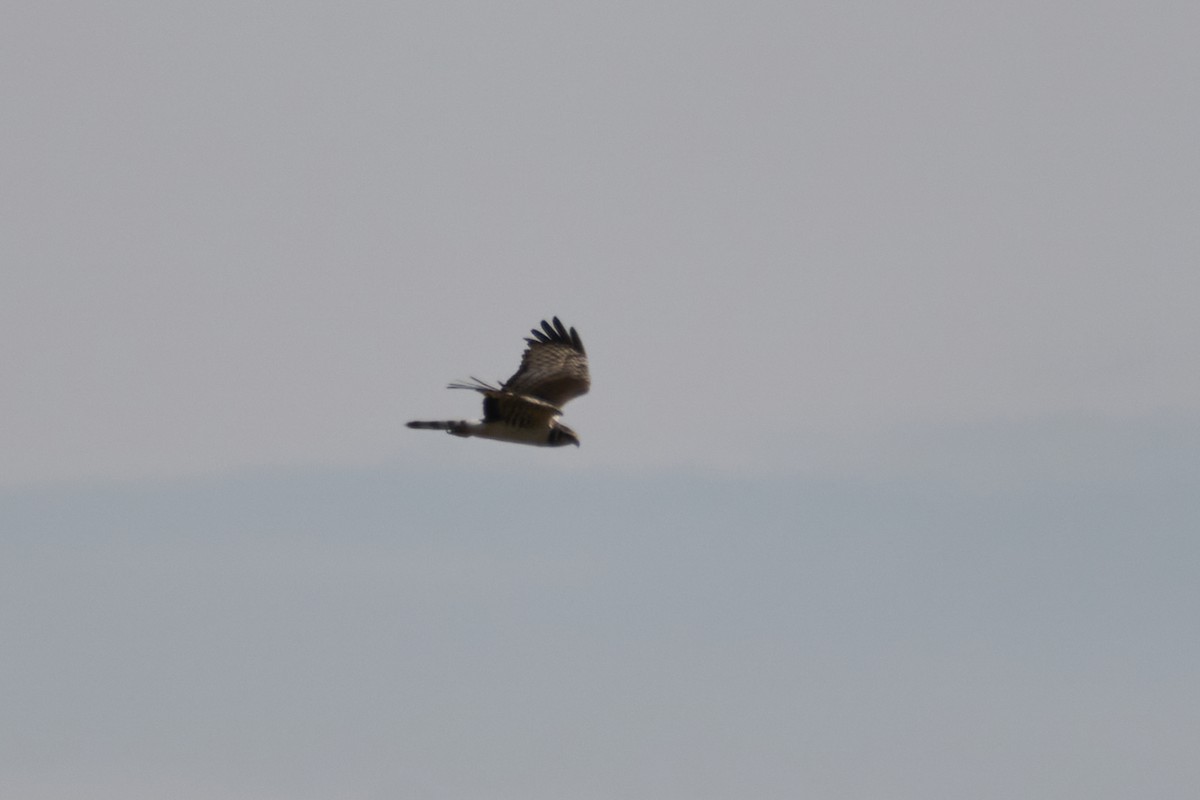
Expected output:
(525, 408)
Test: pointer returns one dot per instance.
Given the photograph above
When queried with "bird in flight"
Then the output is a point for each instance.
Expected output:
(526, 407)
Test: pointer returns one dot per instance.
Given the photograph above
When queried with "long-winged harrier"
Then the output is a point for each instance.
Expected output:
(526, 407)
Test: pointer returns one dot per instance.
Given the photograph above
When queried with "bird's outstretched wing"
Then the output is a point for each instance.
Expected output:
(554, 367)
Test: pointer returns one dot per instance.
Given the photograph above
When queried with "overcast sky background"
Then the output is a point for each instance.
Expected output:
(888, 476)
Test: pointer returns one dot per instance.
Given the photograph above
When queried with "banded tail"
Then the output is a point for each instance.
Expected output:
(458, 427)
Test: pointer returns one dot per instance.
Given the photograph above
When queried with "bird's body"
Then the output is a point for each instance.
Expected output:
(526, 408)
(482, 429)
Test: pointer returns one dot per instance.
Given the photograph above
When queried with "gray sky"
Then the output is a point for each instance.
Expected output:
(887, 476)
(243, 237)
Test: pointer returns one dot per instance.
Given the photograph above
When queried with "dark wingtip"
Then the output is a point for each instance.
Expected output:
(555, 331)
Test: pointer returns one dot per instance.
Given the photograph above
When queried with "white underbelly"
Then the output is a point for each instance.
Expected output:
(506, 433)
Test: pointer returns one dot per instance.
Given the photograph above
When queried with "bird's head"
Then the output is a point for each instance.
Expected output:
(561, 436)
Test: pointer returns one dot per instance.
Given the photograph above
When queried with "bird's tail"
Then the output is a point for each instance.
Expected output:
(457, 427)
